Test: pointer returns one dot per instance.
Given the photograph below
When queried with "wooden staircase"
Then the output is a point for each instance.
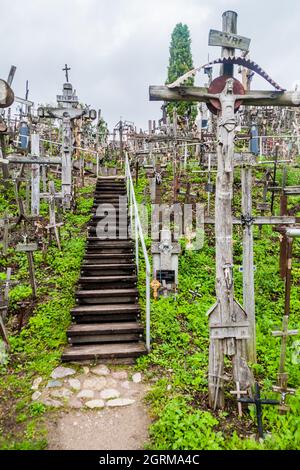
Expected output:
(106, 326)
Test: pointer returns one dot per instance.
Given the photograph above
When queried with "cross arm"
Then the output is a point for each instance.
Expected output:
(182, 93)
(251, 98)
(271, 98)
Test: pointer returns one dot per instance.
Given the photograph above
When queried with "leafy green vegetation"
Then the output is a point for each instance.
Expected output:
(180, 62)
(37, 348)
(178, 362)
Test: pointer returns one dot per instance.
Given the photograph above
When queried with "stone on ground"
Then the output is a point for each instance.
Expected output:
(125, 385)
(120, 402)
(36, 395)
(86, 394)
(100, 370)
(120, 375)
(95, 404)
(61, 372)
(36, 383)
(75, 403)
(109, 393)
(74, 383)
(97, 384)
(62, 393)
(137, 378)
(54, 383)
(50, 402)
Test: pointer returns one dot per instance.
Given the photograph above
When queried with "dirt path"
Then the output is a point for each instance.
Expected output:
(97, 408)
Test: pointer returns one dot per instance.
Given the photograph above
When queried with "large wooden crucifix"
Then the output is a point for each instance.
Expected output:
(229, 323)
(67, 111)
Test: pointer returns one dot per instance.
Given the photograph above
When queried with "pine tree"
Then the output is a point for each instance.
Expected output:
(180, 62)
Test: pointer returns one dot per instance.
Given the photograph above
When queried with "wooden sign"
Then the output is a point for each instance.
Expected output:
(27, 247)
(219, 38)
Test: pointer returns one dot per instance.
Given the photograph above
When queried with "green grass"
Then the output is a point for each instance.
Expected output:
(36, 350)
(178, 362)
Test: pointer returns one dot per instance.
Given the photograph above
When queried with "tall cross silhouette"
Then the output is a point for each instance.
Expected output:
(66, 70)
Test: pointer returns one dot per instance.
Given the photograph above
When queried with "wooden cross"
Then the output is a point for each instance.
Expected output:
(258, 402)
(284, 391)
(224, 96)
(5, 225)
(29, 248)
(53, 225)
(155, 285)
(4, 305)
(238, 392)
(284, 334)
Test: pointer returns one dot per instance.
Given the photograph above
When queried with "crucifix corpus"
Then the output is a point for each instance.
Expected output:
(231, 328)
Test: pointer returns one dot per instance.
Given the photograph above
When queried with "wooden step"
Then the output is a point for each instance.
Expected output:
(108, 258)
(106, 296)
(106, 313)
(103, 269)
(97, 249)
(105, 333)
(115, 243)
(108, 278)
(104, 352)
(109, 281)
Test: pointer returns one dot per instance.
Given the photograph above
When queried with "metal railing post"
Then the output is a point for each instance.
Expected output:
(139, 237)
(136, 237)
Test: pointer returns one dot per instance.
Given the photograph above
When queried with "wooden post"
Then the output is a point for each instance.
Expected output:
(66, 168)
(35, 176)
(283, 237)
(248, 265)
(29, 248)
(284, 334)
(229, 25)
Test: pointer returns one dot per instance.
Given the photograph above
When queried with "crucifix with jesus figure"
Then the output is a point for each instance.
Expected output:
(232, 330)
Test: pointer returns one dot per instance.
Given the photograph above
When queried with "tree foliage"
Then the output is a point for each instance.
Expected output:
(180, 62)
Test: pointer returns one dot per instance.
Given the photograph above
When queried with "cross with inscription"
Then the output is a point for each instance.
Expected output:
(224, 97)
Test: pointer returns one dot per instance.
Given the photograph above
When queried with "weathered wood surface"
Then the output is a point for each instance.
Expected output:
(223, 39)
(12, 158)
(35, 176)
(251, 98)
(248, 263)
(259, 220)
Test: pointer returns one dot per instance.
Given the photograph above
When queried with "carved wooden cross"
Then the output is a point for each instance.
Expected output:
(29, 248)
(53, 225)
(238, 392)
(284, 334)
(224, 97)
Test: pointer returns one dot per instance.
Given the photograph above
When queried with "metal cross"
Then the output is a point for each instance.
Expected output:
(66, 70)
(195, 293)
(258, 402)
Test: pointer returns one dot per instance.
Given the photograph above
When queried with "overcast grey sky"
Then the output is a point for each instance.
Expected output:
(117, 48)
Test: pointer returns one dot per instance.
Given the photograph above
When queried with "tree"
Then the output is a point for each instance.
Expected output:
(180, 62)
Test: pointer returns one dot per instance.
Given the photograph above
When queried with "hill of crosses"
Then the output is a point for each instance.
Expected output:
(149, 277)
